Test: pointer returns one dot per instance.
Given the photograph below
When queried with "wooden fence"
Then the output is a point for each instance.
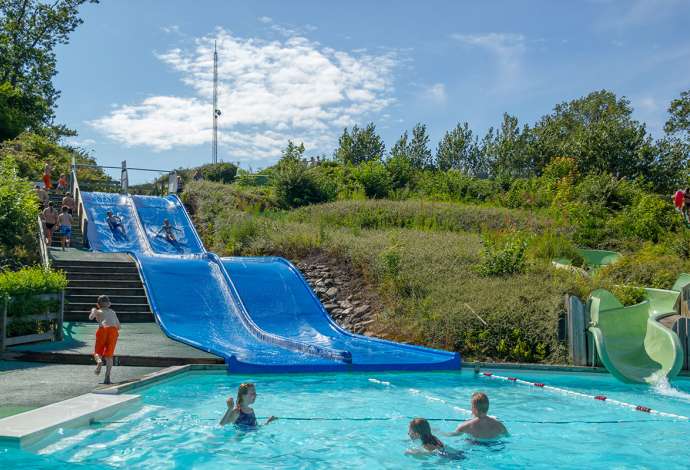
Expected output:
(55, 319)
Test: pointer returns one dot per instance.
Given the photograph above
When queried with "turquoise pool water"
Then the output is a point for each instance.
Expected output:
(360, 420)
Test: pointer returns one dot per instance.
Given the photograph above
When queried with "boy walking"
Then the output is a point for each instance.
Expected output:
(65, 222)
(50, 218)
(106, 335)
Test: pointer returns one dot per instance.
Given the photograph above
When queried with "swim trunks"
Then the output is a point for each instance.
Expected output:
(49, 226)
(106, 339)
(66, 230)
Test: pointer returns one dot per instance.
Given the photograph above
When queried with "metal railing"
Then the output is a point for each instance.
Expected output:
(42, 244)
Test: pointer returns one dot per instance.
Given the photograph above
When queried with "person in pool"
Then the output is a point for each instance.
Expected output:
(242, 413)
(419, 429)
(168, 229)
(482, 426)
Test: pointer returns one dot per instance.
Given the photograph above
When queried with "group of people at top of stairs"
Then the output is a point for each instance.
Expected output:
(681, 200)
(54, 220)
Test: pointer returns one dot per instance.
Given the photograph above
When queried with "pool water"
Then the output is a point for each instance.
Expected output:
(360, 420)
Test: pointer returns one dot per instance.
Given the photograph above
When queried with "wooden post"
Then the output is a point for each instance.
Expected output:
(577, 343)
(684, 298)
(3, 324)
(61, 316)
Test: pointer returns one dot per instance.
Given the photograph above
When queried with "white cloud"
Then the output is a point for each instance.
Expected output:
(269, 92)
(639, 12)
(436, 93)
(648, 104)
(507, 48)
(265, 19)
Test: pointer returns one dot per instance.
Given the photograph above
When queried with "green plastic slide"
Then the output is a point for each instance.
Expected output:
(594, 259)
(630, 341)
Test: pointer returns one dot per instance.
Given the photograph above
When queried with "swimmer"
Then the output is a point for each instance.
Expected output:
(419, 429)
(242, 413)
(481, 426)
(115, 223)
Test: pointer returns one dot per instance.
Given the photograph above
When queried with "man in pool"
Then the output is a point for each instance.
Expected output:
(482, 426)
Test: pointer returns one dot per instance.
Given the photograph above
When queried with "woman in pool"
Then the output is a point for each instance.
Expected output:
(420, 429)
(242, 413)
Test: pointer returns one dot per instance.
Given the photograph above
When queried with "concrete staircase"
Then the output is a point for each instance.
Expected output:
(119, 280)
(76, 240)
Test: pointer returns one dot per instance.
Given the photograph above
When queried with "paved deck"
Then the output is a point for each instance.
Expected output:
(136, 340)
(80, 254)
(29, 385)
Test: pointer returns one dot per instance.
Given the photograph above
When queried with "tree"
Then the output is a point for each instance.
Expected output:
(295, 185)
(18, 111)
(29, 32)
(418, 149)
(458, 150)
(679, 120)
(507, 150)
(18, 210)
(360, 145)
(598, 131)
(399, 164)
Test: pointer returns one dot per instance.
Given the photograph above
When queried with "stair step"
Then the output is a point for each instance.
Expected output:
(99, 284)
(86, 307)
(75, 265)
(112, 292)
(103, 269)
(102, 276)
(120, 299)
(124, 317)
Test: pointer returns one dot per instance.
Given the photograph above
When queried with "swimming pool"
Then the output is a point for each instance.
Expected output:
(360, 419)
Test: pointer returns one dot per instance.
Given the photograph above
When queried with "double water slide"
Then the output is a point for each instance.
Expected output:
(259, 314)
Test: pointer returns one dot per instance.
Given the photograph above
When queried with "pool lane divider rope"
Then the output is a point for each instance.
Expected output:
(601, 398)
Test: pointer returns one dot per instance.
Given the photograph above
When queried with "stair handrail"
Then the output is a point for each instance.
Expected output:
(42, 245)
(79, 202)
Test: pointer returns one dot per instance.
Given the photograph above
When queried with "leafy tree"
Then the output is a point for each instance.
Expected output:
(418, 149)
(399, 164)
(679, 119)
(598, 131)
(507, 149)
(372, 175)
(360, 145)
(458, 150)
(29, 32)
(18, 210)
(18, 111)
(295, 185)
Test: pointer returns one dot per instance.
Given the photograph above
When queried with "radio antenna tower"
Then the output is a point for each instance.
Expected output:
(216, 111)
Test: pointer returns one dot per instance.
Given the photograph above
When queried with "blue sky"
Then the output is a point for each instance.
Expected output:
(136, 76)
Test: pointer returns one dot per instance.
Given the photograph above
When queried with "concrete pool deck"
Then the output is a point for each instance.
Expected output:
(139, 344)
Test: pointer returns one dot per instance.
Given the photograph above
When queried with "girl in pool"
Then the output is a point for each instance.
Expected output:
(420, 429)
(242, 413)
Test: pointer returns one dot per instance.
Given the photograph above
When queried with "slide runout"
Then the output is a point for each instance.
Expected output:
(295, 312)
(631, 343)
(215, 321)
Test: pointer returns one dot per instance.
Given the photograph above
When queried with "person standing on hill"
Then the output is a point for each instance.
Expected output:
(46, 176)
(50, 218)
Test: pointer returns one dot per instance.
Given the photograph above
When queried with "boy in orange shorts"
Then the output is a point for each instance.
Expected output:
(106, 335)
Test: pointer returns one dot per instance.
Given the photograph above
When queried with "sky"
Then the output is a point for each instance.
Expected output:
(136, 77)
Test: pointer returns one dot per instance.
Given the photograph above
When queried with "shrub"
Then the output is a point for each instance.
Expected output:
(30, 281)
(375, 179)
(551, 245)
(219, 172)
(18, 210)
(652, 266)
(629, 295)
(401, 171)
(503, 255)
(649, 218)
(295, 186)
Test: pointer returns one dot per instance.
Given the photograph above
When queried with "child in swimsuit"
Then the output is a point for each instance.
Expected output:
(62, 183)
(420, 429)
(106, 335)
(168, 229)
(115, 224)
(242, 413)
(482, 426)
(65, 222)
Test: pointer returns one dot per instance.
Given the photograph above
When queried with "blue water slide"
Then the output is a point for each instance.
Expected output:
(257, 313)
(292, 310)
(153, 211)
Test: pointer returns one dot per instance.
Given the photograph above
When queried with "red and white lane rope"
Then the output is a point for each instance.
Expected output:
(601, 398)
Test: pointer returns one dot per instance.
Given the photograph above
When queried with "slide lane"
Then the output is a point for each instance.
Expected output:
(192, 297)
(280, 301)
(153, 210)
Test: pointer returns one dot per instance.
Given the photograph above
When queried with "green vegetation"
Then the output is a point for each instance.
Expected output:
(31, 281)
(18, 214)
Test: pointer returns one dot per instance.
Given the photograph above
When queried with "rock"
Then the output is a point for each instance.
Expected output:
(332, 292)
(330, 306)
(361, 309)
(320, 283)
(328, 282)
(320, 290)
(347, 311)
(336, 311)
(345, 304)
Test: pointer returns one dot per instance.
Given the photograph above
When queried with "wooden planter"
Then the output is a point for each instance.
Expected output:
(56, 317)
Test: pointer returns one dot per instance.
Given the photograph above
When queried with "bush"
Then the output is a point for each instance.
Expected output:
(295, 186)
(454, 185)
(649, 218)
(218, 172)
(629, 295)
(18, 210)
(550, 246)
(652, 266)
(31, 281)
(502, 255)
(375, 179)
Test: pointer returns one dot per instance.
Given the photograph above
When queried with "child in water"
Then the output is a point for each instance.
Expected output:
(482, 426)
(167, 228)
(242, 413)
(420, 429)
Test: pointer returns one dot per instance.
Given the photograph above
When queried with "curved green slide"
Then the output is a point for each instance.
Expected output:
(630, 341)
